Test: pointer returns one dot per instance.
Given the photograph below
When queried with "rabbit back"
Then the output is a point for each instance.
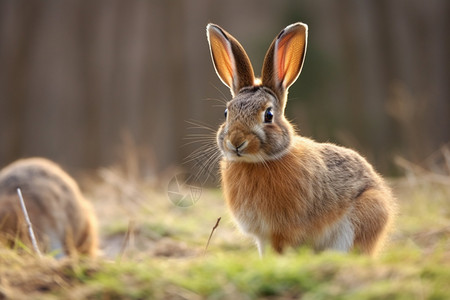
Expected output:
(63, 220)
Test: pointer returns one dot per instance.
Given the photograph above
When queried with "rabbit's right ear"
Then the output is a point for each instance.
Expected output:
(230, 60)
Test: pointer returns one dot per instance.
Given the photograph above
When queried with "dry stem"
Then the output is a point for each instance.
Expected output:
(126, 239)
(27, 219)
(212, 231)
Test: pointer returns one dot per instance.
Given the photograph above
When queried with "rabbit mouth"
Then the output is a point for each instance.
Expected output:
(244, 151)
(243, 157)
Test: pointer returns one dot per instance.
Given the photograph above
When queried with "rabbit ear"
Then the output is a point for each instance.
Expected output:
(284, 59)
(230, 60)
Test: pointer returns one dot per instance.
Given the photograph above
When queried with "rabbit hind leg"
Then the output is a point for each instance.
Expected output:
(372, 214)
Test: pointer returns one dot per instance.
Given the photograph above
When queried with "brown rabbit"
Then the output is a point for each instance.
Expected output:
(282, 188)
(63, 221)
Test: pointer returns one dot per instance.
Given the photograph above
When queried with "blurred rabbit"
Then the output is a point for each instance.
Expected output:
(63, 221)
(282, 188)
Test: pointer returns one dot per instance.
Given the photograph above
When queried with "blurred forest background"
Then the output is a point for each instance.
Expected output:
(79, 79)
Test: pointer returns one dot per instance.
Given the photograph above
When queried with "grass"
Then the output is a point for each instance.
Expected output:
(165, 255)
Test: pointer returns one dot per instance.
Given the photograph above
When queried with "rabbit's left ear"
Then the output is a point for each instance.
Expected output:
(284, 59)
(230, 59)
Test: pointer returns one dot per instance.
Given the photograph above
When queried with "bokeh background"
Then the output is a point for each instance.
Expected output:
(79, 79)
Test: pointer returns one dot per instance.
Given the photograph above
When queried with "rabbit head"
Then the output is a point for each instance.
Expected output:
(255, 128)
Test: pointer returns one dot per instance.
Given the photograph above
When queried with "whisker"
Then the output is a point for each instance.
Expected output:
(200, 125)
(208, 170)
(205, 167)
(200, 155)
(220, 91)
(203, 160)
(216, 105)
(211, 157)
(199, 140)
(263, 162)
(200, 135)
(200, 152)
(221, 101)
(203, 143)
(196, 141)
(202, 128)
(199, 158)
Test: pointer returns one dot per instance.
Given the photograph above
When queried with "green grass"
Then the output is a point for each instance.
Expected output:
(242, 275)
(414, 265)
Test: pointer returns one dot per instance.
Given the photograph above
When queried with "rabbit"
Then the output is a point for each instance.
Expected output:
(281, 188)
(63, 221)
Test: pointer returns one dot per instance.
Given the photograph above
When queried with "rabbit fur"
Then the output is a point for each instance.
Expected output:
(281, 188)
(63, 221)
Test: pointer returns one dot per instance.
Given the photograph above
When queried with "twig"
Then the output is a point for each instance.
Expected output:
(30, 227)
(126, 239)
(210, 236)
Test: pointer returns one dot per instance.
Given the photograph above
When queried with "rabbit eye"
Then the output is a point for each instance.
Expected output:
(268, 115)
(226, 112)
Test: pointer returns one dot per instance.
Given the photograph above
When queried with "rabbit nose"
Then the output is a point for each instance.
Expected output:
(236, 148)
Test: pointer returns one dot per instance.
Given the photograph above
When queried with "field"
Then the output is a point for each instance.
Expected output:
(155, 249)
